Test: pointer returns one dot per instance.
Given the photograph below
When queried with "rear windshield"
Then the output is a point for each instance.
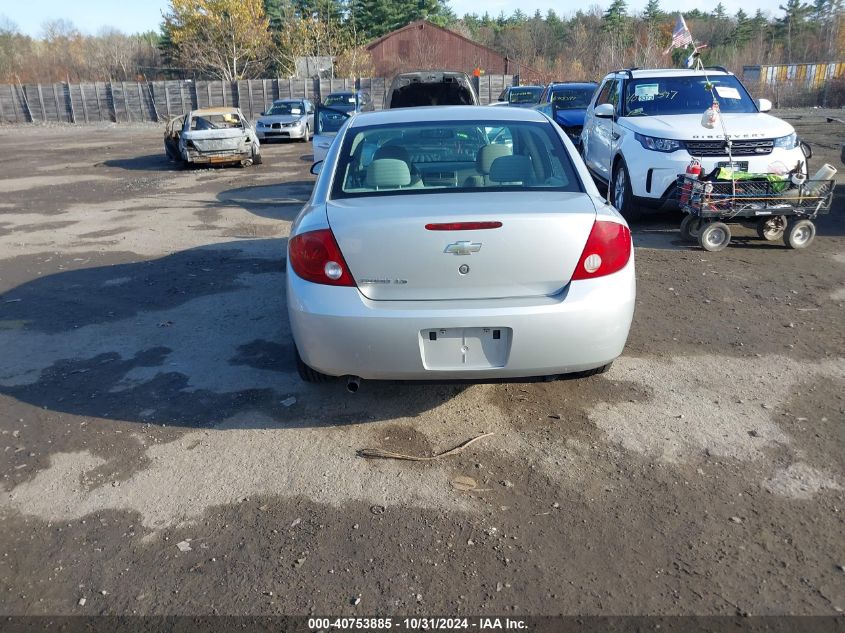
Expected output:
(685, 95)
(525, 94)
(571, 98)
(450, 156)
(340, 99)
(215, 121)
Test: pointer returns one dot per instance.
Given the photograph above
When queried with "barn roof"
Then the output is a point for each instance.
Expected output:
(426, 23)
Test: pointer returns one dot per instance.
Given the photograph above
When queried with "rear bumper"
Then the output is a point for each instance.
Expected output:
(339, 332)
(200, 158)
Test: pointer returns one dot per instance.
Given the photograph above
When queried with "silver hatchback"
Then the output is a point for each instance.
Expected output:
(463, 242)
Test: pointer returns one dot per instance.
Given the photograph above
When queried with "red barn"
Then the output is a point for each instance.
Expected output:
(422, 45)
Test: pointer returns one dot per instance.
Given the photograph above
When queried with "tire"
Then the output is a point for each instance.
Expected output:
(714, 237)
(594, 372)
(307, 373)
(690, 228)
(306, 136)
(771, 229)
(620, 193)
(256, 157)
(800, 234)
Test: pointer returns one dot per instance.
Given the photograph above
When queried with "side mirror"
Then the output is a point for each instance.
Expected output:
(605, 111)
(263, 114)
(317, 167)
(764, 105)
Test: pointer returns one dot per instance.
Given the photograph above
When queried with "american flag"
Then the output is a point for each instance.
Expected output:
(680, 35)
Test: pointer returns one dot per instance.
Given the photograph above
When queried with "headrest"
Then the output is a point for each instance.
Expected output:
(489, 153)
(388, 173)
(392, 151)
(511, 169)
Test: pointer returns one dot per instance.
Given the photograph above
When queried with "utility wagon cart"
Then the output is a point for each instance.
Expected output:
(777, 208)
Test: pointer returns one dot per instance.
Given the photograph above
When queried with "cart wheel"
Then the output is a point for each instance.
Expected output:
(690, 228)
(714, 237)
(800, 234)
(771, 229)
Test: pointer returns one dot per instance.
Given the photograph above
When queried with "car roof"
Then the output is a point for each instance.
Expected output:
(573, 84)
(204, 111)
(526, 86)
(426, 114)
(291, 100)
(341, 92)
(670, 72)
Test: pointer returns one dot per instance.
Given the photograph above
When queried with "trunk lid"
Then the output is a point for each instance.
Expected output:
(217, 140)
(392, 256)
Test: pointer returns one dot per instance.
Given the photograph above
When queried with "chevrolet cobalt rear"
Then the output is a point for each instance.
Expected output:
(463, 242)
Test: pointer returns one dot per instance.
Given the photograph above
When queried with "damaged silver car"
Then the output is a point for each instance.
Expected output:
(212, 136)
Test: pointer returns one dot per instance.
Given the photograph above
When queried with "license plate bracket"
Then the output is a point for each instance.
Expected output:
(465, 348)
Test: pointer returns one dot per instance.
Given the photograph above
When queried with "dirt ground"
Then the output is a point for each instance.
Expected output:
(152, 461)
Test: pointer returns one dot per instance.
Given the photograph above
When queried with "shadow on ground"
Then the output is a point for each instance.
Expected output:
(148, 162)
(281, 201)
(186, 340)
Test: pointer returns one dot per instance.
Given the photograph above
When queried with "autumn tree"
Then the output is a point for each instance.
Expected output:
(227, 39)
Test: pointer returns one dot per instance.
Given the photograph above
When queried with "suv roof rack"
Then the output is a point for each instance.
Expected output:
(630, 71)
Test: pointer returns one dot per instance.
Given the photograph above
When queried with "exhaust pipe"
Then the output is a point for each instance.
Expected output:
(353, 383)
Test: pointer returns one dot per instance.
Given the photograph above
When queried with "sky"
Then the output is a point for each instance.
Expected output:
(137, 16)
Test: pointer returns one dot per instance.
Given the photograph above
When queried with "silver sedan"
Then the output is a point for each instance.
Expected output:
(447, 243)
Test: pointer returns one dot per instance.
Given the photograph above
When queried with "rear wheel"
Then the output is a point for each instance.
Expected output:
(690, 228)
(800, 234)
(771, 229)
(307, 373)
(714, 237)
(620, 192)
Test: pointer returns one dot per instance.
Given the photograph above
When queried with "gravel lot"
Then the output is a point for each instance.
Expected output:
(152, 462)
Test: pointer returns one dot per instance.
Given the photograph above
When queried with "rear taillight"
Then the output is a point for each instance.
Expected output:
(316, 257)
(607, 251)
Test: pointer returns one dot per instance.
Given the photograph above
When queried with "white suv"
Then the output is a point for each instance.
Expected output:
(639, 143)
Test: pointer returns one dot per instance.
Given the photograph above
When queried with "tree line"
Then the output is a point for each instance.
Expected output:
(235, 39)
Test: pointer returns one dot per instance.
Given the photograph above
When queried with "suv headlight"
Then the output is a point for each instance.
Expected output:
(790, 141)
(659, 144)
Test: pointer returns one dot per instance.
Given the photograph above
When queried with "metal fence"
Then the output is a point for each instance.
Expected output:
(798, 85)
(130, 101)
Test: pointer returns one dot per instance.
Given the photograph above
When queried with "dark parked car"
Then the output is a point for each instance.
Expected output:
(566, 103)
(521, 96)
(349, 101)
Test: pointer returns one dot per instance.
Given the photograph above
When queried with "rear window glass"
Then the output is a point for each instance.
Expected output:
(215, 121)
(525, 95)
(450, 156)
(340, 99)
(571, 98)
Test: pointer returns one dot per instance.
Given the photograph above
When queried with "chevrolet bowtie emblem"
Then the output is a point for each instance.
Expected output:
(463, 248)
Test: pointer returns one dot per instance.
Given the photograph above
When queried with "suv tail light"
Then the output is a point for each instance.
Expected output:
(607, 251)
(316, 257)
